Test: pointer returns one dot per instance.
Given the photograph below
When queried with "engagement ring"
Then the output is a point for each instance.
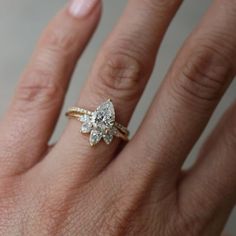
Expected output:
(100, 124)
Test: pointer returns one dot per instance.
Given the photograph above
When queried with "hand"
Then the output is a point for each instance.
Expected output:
(137, 188)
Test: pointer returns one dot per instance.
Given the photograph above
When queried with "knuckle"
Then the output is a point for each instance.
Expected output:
(162, 5)
(10, 209)
(185, 228)
(60, 41)
(119, 208)
(183, 223)
(119, 76)
(51, 209)
(110, 226)
(204, 77)
(38, 89)
(112, 222)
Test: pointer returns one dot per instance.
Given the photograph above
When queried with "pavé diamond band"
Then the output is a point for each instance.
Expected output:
(100, 124)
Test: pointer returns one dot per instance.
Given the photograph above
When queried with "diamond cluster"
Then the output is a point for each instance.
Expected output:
(101, 124)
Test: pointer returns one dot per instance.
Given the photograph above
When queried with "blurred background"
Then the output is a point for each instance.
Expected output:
(22, 21)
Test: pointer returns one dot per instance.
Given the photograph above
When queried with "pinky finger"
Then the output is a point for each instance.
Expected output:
(212, 180)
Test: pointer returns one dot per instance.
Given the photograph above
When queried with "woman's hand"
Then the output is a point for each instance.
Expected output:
(73, 189)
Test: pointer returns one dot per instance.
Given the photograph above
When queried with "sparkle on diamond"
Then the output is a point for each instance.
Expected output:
(101, 124)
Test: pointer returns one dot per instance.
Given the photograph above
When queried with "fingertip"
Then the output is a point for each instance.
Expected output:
(82, 8)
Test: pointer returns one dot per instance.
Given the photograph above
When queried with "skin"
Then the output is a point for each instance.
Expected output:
(132, 189)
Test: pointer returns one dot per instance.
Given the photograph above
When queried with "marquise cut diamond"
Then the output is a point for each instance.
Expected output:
(95, 137)
(108, 138)
(104, 116)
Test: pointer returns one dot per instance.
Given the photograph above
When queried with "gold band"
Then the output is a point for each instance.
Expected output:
(119, 134)
(76, 112)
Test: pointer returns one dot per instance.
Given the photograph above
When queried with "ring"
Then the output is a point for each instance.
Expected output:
(100, 124)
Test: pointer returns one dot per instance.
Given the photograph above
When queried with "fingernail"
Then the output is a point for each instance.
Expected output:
(81, 8)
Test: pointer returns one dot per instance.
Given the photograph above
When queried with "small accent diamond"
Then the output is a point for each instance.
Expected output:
(104, 116)
(108, 138)
(95, 137)
(84, 118)
(86, 128)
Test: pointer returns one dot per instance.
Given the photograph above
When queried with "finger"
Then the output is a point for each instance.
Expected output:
(39, 96)
(213, 178)
(193, 87)
(120, 72)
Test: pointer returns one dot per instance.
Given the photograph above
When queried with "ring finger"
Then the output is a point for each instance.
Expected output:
(121, 71)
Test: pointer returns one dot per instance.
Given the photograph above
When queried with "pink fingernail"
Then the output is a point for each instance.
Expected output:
(81, 8)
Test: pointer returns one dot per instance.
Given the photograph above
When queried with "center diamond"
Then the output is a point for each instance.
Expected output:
(103, 118)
